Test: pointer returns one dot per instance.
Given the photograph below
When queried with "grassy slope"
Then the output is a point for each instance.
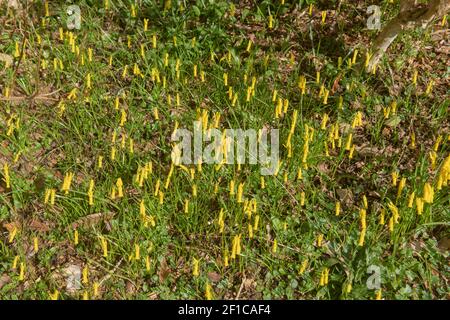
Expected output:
(58, 134)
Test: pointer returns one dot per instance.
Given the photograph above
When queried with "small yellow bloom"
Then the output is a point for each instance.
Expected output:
(382, 215)
(411, 199)
(119, 185)
(104, 245)
(428, 193)
(195, 270)
(394, 176)
(394, 211)
(35, 244)
(54, 295)
(303, 267)
(6, 176)
(146, 24)
(302, 198)
(137, 252)
(274, 246)
(391, 224)
(419, 205)
(12, 234)
(208, 292)
(401, 186)
(319, 240)
(249, 45)
(378, 295)
(255, 223)
(95, 288)
(22, 271)
(337, 208)
(362, 236)
(240, 192)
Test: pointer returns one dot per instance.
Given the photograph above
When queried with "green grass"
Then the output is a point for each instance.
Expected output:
(51, 142)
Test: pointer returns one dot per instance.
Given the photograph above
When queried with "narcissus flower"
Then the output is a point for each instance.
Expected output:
(414, 77)
(67, 182)
(319, 240)
(236, 246)
(411, 199)
(104, 245)
(337, 208)
(54, 295)
(12, 234)
(255, 223)
(391, 224)
(208, 292)
(303, 267)
(401, 186)
(6, 176)
(195, 267)
(119, 185)
(324, 16)
(324, 277)
(382, 215)
(90, 192)
(419, 205)
(35, 244)
(137, 252)
(378, 295)
(302, 198)
(249, 45)
(428, 193)
(394, 211)
(394, 176)
(240, 192)
(275, 246)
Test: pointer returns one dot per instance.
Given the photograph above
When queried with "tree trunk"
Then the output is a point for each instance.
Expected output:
(411, 15)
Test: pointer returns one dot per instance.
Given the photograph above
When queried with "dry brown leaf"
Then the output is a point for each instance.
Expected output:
(130, 288)
(335, 86)
(164, 270)
(214, 276)
(4, 279)
(345, 196)
(323, 167)
(40, 226)
(10, 226)
(444, 244)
